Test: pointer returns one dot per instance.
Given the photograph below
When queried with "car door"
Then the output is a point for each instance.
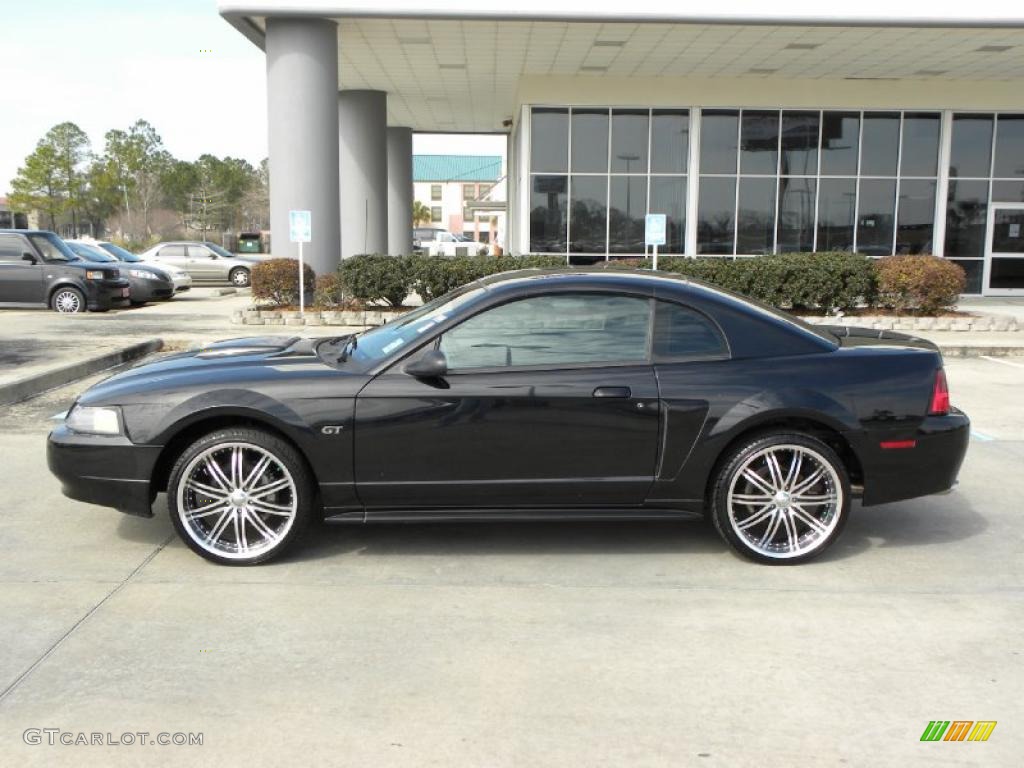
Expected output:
(204, 263)
(549, 401)
(174, 255)
(21, 281)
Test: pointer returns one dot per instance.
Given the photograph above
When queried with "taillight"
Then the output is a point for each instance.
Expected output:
(940, 395)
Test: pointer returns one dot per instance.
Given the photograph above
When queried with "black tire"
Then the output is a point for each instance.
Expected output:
(239, 277)
(746, 523)
(68, 301)
(301, 493)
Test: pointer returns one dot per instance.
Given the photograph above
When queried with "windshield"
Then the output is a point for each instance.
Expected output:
(119, 253)
(220, 251)
(378, 343)
(52, 247)
(90, 253)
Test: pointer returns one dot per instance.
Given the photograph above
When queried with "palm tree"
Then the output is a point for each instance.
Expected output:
(420, 213)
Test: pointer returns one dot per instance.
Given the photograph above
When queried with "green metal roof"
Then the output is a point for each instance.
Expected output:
(456, 167)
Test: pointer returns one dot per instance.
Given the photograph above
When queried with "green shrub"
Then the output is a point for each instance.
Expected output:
(276, 282)
(329, 293)
(925, 284)
(800, 281)
(374, 278)
(434, 276)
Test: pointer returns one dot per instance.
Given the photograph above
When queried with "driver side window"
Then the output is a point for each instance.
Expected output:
(555, 330)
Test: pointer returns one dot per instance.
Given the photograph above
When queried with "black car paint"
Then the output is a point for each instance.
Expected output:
(32, 284)
(160, 286)
(534, 442)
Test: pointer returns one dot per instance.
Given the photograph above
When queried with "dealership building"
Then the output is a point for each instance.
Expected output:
(755, 130)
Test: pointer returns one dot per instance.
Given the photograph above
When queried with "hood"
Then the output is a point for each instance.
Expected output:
(232, 363)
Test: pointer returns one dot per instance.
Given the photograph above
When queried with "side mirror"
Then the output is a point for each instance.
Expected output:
(30, 258)
(432, 365)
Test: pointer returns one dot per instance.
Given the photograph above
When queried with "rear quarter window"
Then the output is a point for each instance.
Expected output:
(682, 333)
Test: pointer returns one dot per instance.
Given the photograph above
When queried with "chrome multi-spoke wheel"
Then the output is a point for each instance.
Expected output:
(68, 301)
(236, 496)
(782, 498)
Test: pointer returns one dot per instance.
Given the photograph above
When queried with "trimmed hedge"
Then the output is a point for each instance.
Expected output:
(796, 281)
(799, 281)
(276, 281)
(926, 284)
(375, 278)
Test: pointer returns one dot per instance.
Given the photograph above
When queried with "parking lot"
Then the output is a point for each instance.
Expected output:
(522, 644)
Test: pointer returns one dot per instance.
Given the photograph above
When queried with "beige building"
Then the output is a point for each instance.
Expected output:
(881, 128)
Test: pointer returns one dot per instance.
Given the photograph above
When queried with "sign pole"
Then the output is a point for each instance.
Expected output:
(654, 266)
(300, 230)
(302, 284)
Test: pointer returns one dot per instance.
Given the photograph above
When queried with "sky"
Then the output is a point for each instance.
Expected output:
(104, 64)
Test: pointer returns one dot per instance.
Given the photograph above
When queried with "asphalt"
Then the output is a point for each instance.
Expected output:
(641, 644)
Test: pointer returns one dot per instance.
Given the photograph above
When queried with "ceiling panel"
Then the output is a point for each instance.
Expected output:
(462, 75)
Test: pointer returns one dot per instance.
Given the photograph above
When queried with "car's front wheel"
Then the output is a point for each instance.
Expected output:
(240, 496)
(781, 498)
(239, 277)
(68, 301)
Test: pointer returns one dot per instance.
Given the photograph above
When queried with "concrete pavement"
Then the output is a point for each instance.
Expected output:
(527, 644)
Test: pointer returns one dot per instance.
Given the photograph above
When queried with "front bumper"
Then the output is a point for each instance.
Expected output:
(930, 467)
(108, 471)
(182, 283)
(148, 290)
(102, 295)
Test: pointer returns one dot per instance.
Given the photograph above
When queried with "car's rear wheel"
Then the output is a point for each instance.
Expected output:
(781, 498)
(240, 496)
(68, 301)
(239, 277)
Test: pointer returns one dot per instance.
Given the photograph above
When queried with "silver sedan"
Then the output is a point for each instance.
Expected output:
(204, 261)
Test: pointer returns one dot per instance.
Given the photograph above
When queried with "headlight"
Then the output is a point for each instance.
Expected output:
(94, 420)
(142, 275)
(94, 274)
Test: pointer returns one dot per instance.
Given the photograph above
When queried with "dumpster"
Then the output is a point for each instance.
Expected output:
(249, 242)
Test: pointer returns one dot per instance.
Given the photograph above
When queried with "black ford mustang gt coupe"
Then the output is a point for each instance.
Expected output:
(527, 395)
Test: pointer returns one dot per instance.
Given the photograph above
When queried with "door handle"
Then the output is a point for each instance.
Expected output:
(612, 392)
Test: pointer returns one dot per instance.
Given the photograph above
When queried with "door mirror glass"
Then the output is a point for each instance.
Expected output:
(26, 256)
(431, 365)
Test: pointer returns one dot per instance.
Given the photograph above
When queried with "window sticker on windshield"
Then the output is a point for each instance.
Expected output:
(392, 346)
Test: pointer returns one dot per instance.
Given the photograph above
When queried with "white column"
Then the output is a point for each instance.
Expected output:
(363, 171)
(302, 87)
(399, 191)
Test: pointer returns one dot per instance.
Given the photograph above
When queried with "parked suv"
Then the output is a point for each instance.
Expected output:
(204, 261)
(38, 269)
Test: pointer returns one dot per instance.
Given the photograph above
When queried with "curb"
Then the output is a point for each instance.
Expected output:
(16, 391)
(957, 350)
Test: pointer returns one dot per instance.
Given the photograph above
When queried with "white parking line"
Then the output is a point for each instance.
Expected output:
(1000, 360)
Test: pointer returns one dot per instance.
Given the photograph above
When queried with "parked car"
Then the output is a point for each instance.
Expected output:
(146, 283)
(38, 269)
(181, 279)
(441, 242)
(531, 395)
(206, 261)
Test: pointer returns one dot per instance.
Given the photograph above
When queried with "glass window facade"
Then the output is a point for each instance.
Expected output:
(773, 180)
(986, 167)
(597, 172)
(861, 181)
